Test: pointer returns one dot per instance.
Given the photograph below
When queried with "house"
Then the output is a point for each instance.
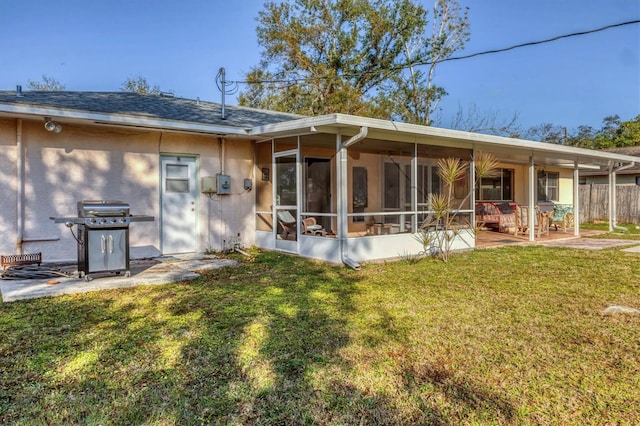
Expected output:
(337, 187)
(628, 176)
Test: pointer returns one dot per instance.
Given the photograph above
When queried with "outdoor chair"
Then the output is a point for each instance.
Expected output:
(562, 215)
(310, 227)
(288, 224)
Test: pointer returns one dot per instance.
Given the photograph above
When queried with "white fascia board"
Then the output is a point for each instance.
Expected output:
(121, 120)
(478, 139)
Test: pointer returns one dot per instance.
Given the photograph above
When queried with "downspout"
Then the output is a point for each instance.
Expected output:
(342, 199)
(222, 141)
(221, 222)
(20, 189)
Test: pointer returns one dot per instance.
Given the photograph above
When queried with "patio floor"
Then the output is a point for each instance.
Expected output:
(492, 239)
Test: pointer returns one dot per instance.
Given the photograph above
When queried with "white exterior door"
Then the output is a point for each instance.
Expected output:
(179, 224)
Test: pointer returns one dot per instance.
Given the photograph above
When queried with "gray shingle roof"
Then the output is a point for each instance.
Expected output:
(148, 106)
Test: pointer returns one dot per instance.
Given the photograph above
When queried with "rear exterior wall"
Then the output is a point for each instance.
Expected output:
(98, 162)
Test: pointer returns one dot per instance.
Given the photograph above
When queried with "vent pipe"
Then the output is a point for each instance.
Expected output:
(223, 83)
(18, 91)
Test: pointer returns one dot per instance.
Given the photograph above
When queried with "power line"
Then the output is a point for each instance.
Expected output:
(534, 43)
(454, 58)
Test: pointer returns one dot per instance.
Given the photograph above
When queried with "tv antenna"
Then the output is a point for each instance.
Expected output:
(225, 87)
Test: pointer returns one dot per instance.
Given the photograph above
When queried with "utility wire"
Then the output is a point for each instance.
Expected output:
(453, 58)
(534, 43)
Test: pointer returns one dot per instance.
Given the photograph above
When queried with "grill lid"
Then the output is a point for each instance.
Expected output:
(102, 208)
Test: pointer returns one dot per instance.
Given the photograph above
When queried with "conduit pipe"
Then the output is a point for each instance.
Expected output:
(20, 189)
(342, 199)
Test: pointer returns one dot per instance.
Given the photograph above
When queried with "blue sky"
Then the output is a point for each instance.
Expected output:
(180, 46)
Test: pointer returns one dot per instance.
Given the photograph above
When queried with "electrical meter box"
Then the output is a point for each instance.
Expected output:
(208, 185)
(224, 184)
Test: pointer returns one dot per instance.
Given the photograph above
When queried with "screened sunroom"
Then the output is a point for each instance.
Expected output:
(350, 189)
(342, 199)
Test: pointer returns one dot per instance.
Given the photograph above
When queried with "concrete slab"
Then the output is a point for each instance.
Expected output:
(155, 271)
(593, 243)
(635, 249)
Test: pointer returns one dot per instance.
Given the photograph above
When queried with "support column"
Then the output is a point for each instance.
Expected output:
(612, 190)
(341, 173)
(414, 190)
(532, 199)
(576, 199)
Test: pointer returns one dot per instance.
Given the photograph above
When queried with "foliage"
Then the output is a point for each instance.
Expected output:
(48, 84)
(498, 336)
(614, 133)
(438, 233)
(353, 56)
(139, 84)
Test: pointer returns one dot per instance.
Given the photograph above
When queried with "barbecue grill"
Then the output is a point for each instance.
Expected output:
(103, 236)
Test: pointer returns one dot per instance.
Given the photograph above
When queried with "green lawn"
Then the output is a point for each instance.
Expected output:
(503, 336)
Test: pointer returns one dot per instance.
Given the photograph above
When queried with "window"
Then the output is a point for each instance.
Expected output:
(496, 188)
(177, 178)
(548, 183)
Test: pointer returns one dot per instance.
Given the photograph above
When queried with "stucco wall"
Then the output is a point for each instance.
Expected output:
(94, 162)
(8, 186)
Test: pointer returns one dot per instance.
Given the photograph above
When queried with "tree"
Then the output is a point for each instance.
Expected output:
(139, 84)
(472, 119)
(353, 56)
(628, 133)
(414, 93)
(547, 132)
(48, 84)
(614, 133)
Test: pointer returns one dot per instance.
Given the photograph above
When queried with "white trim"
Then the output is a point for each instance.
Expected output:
(523, 146)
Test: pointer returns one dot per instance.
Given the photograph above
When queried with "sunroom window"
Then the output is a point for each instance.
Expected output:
(548, 183)
(496, 188)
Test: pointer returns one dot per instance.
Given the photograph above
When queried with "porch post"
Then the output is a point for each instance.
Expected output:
(612, 197)
(472, 185)
(576, 199)
(414, 190)
(341, 173)
(532, 199)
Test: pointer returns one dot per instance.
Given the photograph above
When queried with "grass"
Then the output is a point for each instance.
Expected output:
(625, 231)
(504, 336)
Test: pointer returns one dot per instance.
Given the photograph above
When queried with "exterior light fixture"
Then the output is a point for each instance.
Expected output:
(52, 126)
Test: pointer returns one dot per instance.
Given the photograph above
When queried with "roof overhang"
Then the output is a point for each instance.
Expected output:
(507, 149)
(120, 120)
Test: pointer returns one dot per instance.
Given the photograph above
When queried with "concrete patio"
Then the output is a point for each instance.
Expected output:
(161, 270)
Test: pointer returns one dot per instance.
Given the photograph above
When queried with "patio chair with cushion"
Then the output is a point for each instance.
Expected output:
(562, 215)
(310, 227)
(288, 224)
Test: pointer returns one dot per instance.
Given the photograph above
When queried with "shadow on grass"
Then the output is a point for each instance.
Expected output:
(257, 344)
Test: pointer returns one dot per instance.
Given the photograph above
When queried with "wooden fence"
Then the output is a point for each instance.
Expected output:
(594, 203)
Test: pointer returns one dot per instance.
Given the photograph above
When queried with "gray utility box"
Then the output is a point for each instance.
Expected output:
(224, 184)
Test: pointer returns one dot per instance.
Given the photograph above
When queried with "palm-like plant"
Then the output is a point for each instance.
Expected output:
(438, 233)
